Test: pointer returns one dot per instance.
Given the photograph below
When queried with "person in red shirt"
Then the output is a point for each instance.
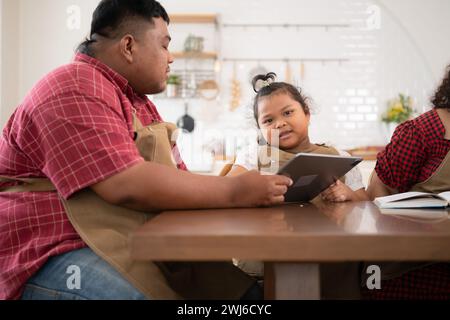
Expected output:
(75, 128)
(417, 159)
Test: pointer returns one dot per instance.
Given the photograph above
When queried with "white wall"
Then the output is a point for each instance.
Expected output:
(408, 54)
(10, 61)
(48, 39)
(1, 19)
(427, 23)
(36, 39)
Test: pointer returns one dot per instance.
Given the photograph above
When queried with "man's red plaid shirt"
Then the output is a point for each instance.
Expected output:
(74, 127)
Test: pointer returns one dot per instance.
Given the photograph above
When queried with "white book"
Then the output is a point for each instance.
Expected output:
(419, 214)
(414, 200)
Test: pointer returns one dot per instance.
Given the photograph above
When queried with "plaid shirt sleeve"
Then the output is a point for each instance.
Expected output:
(80, 144)
(399, 164)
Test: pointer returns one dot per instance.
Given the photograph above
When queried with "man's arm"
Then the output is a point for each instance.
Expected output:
(150, 186)
(236, 170)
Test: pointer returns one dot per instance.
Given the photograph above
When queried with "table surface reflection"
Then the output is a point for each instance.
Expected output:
(320, 232)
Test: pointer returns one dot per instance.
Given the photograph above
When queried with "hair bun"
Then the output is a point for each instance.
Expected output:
(260, 81)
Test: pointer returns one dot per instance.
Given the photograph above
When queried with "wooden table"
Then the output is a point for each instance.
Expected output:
(292, 240)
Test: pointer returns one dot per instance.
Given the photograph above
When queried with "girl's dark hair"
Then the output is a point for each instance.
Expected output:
(265, 85)
(441, 99)
(110, 15)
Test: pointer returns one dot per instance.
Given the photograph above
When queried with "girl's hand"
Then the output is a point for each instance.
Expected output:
(338, 192)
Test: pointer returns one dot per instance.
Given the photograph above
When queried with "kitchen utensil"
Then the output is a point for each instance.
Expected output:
(208, 89)
(288, 73)
(193, 44)
(235, 91)
(189, 85)
(186, 122)
(302, 71)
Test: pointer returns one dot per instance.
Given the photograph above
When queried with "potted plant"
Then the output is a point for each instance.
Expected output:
(172, 84)
(399, 110)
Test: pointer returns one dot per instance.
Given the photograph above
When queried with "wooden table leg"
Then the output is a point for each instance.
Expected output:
(291, 281)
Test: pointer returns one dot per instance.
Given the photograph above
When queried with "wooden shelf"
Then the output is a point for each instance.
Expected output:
(193, 18)
(194, 55)
(367, 153)
(286, 25)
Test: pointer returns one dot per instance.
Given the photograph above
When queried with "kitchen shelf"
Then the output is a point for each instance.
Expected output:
(286, 25)
(367, 153)
(195, 55)
(322, 60)
(202, 61)
(193, 18)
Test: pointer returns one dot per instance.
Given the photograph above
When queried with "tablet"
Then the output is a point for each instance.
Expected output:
(313, 173)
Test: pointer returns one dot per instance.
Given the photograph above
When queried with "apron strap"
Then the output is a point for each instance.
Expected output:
(27, 185)
(10, 179)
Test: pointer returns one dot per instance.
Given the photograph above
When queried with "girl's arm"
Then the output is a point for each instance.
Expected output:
(360, 195)
(340, 192)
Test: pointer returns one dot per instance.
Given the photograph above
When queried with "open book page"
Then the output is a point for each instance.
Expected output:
(437, 214)
(412, 200)
(445, 195)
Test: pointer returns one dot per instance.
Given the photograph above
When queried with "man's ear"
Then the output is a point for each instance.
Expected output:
(127, 47)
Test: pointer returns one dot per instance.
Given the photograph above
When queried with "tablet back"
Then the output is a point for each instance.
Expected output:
(313, 173)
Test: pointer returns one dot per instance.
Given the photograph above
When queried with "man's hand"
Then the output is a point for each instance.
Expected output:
(252, 189)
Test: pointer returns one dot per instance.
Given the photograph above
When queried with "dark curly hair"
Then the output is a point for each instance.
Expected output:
(270, 87)
(441, 99)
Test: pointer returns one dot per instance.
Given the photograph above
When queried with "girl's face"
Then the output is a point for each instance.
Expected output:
(283, 117)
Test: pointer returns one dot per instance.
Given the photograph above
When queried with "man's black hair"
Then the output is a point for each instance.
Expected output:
(111, 15)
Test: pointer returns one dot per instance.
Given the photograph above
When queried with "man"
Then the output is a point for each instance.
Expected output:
(74, 136)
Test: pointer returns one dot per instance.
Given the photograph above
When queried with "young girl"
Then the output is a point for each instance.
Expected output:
(281, 111)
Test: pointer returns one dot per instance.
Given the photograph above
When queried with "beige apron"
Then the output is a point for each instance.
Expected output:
(438, 182)
(105, 228)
